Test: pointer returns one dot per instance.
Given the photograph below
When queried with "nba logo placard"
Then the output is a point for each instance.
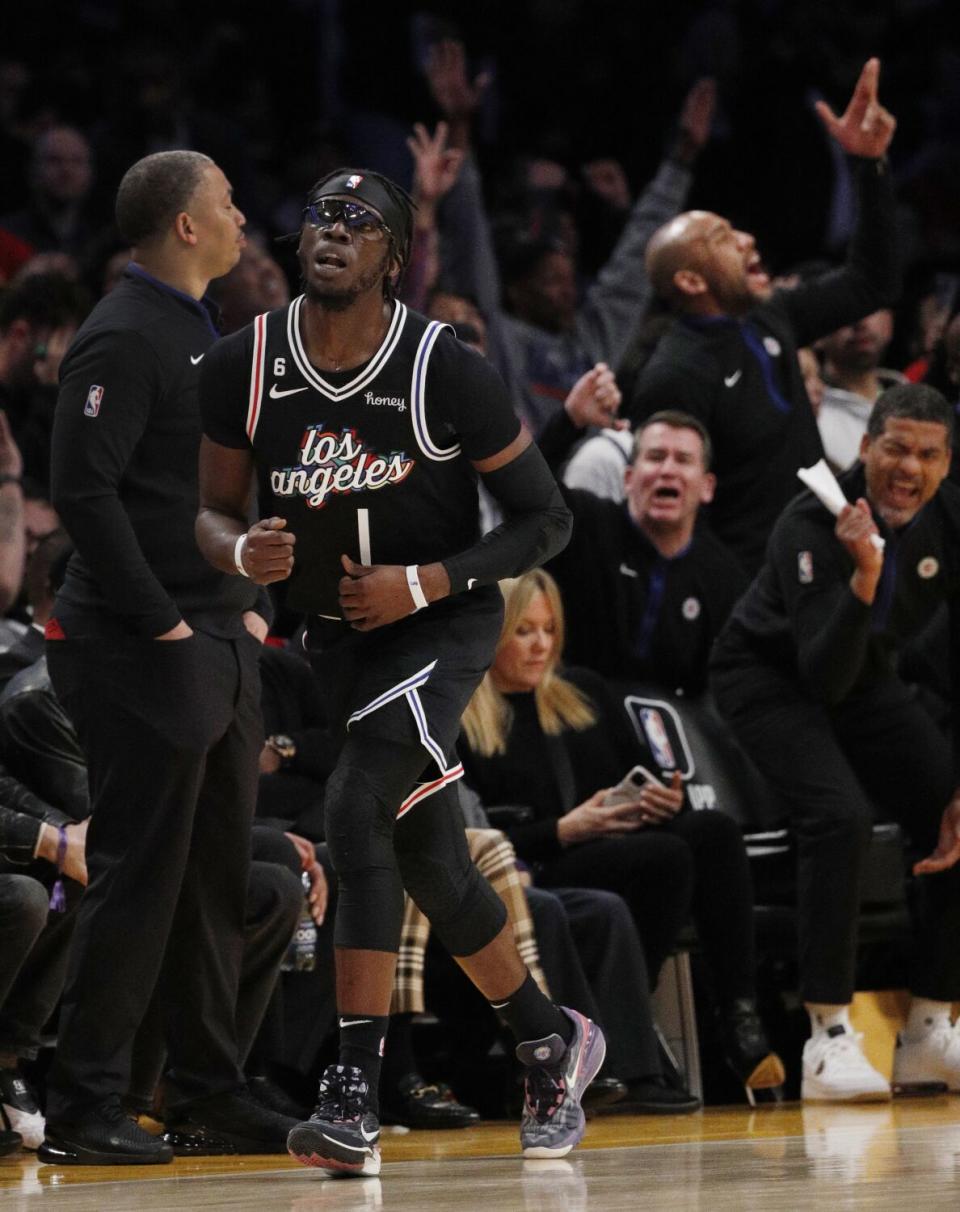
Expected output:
(657, 738)
(92, 406)
(354, 181)
(658, 726)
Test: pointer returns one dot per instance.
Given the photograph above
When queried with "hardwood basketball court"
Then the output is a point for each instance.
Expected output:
(902, 1155)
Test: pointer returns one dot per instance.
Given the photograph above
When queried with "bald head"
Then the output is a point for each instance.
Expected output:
(699, 264)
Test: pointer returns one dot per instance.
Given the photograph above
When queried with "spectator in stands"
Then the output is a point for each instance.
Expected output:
(853, 379)
(581, 944)
(45, 566)
(436, 167)
(12, 530)
(660, 586)
(812, 379)
(730, 357)
(944, 374)
(546, 342)
(557, 741)
(38, 843)
(38, 318)
(298, 753)
(255, 284)
(805, 674)
(466, 318)
(56, 218)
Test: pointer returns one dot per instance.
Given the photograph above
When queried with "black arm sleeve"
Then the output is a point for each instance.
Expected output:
(869, 280)
(537, 525)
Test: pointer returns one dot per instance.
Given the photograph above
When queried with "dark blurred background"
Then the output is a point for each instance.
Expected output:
(278, 92)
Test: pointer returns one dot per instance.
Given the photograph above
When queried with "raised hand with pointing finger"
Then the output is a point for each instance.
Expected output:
(866, 128)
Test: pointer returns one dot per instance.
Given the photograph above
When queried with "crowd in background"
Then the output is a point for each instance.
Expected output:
(542, 164)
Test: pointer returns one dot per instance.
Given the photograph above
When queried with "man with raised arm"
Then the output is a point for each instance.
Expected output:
(544, 341)
(805, 672)
(730, 357)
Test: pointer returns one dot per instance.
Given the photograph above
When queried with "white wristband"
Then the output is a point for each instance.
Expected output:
(238, 555)
(413, 581)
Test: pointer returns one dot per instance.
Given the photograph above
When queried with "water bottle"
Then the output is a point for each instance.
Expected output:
(301, 953)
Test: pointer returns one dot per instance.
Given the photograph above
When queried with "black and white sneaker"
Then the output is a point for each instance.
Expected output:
(343, 1134)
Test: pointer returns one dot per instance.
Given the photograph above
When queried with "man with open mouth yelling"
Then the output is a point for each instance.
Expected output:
(730, 357)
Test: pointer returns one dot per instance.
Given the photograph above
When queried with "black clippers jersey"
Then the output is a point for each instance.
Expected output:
(368, 467)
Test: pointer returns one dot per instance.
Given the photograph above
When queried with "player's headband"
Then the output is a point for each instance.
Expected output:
(369, 189)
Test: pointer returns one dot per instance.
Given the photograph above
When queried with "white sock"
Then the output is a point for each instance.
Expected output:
(925, 1014)
(824, 1016)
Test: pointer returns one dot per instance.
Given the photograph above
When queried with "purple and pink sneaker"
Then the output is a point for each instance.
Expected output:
(557, 1075)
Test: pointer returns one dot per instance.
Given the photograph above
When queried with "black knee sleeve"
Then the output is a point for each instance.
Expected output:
(359, 828)
(462, 908)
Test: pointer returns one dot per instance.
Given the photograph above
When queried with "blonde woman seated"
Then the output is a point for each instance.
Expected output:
(557, 742)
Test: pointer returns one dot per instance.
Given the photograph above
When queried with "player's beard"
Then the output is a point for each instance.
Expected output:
(332, 298)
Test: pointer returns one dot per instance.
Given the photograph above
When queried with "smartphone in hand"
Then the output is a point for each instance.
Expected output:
(627, 791)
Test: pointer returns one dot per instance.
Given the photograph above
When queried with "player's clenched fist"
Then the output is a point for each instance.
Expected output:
(266, 552)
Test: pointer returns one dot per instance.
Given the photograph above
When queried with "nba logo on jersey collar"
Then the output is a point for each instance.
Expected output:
(354, 181)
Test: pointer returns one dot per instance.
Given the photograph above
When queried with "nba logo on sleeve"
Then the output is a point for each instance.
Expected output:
(92, 406)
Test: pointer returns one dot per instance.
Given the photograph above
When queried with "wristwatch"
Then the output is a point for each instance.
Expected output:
(285, 747)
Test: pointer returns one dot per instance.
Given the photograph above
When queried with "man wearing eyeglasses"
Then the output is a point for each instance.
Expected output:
(370, 424)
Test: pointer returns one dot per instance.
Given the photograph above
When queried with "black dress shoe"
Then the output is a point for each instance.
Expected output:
(420, 1104)
(747, 1049)
(10, 1142)
(229, 1123)
(272, 1096)
(102, 1135)
(655, 1096)
(603, 1092)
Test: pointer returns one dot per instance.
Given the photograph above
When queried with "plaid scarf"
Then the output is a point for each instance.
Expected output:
(495, 859)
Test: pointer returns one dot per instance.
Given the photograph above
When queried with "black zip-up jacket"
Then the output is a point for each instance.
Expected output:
(741, 378)
(801, 619)
(633, 613)
(126, 440)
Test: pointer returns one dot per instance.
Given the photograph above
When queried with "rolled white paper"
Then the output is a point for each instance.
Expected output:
(823, 484)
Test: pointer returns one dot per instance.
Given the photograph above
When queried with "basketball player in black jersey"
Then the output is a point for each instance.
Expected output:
(367, 426)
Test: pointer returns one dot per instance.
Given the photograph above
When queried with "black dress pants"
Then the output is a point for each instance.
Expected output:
(172, 735)
(830, 766)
